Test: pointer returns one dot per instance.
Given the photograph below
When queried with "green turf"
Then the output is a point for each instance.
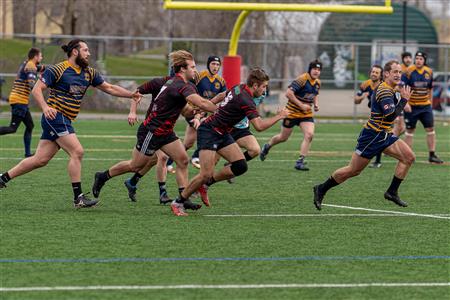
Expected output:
(38, 222)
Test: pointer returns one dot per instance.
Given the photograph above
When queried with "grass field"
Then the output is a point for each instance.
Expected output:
(261, 239)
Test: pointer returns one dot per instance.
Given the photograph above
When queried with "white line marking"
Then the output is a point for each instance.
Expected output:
(223, 286)
(314, 215)
(389, 211)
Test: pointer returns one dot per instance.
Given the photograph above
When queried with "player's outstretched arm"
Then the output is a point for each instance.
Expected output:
(202, 103)
(118, 91)
(261, 124)
(38, 95)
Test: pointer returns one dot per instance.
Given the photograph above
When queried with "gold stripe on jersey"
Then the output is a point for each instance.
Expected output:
(295, 112)
(376, 120)
(20, 93)
(419, 95)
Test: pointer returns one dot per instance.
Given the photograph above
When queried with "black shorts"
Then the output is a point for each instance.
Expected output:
(210, 139)
(371, 142)
(148, 143)
(424, 114)
(189, 121)
(238, 133)
(289, 123)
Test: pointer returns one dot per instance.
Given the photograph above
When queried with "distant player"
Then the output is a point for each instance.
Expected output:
(366, 90)
(420, 78)
(67, 83)
(376, 136)
(214, 136)
(406, 61)
(303, 99)
(20, 95)
(156, 132)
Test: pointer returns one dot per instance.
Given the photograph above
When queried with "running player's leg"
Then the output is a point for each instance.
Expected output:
(399, 126)
(410, 123)
(190, 136)
(178, 153)
(283, 136)
(251, 146)
(13, 125)
(237, 163)
(161, 176)
(427, 120)
(308, 134)
(29, 125)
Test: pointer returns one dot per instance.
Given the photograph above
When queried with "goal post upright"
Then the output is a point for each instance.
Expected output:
(232, 61)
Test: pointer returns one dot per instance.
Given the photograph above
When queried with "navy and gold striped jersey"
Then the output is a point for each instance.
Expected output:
(404, 68)
(209, 86)
(384, 101)
(67, 85)
(368, 86)
(305, 89)
(421, 83)
(24, 82)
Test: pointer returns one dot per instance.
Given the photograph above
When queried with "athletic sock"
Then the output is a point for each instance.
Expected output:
(76, 187)
(5, 177)
(135, 179)
(211, 181)
(328, 184)
(432, 153)
(247, 156)
(27, 142)
(105, 176)
(162, 188)
(378, 158)
(180, 198)
(393, 188)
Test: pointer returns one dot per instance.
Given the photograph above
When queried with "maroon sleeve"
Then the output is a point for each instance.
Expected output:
(188, 89)
(249, 107)
(152, 86)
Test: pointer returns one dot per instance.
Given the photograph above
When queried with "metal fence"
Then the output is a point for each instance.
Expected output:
(121, 60)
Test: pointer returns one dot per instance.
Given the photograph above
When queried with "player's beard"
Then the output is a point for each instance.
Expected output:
(83, 63)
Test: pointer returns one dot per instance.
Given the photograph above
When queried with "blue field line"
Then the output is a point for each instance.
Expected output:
(221, 259)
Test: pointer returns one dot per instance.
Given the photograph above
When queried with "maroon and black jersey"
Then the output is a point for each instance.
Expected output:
(152, 87)
(167, 105)
(237, 105)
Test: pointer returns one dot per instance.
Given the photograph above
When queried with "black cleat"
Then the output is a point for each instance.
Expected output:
(131, 190)
(98, 184)
(318, 197)
(82, 201)
(395, 198)
(2, 183)
(164, 199)
(434, 159)
(264, 152)
(301, 165)
(188, 204)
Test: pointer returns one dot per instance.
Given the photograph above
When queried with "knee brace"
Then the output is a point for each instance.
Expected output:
(431, 133)
(409, 134)
(239, 167)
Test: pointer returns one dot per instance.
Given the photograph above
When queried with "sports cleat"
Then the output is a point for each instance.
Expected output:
(375, 165)
(171, 169)
(203, 191)
(164, 199)
(231, 180)
(434, 159)
(82, 201)
(395, 198)
(264, 152)
(301, 165)
(188, 204)
(178, 209)
(195, 161)
(98, 184)
(131, 190)
(318, 197)
(2, 183)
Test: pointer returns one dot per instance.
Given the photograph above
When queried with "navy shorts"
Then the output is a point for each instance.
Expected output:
(371, 142)
(238, 133)
(210, 139)
(424, 114)
(58, 127)
(19, 110)
(148, 143)
(289, 123)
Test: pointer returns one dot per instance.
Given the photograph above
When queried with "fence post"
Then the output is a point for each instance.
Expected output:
(355, 80)
(445, 90)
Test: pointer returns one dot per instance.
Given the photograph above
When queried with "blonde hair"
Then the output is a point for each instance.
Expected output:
(178, 59)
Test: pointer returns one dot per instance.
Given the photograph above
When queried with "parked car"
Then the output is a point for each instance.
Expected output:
(441, 90)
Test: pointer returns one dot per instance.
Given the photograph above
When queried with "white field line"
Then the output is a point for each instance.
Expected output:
(318, 215)
(223, 286)
(389, 211)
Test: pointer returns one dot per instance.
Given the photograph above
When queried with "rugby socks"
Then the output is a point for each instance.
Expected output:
(196, 153)
(180, 198)
(162, 188)
(76, 187)
(328, 184)
(432, 153)
(378, 158)
(105, 176)
(247, 156)
(211, 181)
(5, 177)
(393, 188)
(27, 142)
(135, 179)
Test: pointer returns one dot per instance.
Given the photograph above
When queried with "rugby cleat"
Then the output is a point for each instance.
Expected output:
(82, 201)
(434, 159)
(301, 165)
(203, 191)
(164, 199)
(195, 161)
(264, 152)
(98, 184)
(318, 197)
(2, 183)
(178, 209)
(188, 204)
(131, 190)
(171, 169)
(395, 198)
(375, 165)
